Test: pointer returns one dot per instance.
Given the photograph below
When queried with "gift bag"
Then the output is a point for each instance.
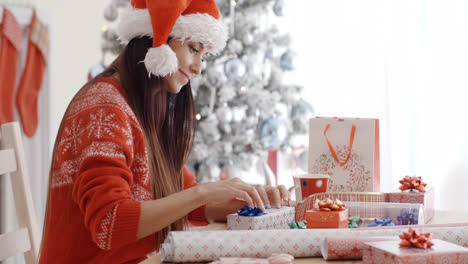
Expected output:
(346, 149)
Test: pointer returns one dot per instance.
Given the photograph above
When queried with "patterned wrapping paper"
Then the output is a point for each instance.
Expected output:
(384, 252)
(274, 219)
(426, 198)
(184, 246)
(308, 203)
(348, 247)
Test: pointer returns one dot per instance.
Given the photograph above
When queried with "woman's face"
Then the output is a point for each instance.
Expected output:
(189, 54)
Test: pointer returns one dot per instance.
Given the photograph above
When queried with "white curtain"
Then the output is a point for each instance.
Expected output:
(37, 148)
(402, 61)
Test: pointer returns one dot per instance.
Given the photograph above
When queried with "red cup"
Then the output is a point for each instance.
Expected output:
(308, 184)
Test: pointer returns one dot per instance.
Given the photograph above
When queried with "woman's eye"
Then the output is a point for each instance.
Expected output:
(193, 49)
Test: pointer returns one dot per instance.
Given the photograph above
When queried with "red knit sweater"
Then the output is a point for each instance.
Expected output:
(99, 178)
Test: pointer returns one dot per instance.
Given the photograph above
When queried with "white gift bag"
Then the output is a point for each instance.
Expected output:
(346, 149)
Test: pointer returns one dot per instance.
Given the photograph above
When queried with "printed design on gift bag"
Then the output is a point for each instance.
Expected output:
(359, 175)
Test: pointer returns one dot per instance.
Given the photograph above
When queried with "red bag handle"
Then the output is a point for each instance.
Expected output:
(333, 152)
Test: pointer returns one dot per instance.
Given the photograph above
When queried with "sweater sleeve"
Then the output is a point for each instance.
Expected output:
(189, 182)
(102, 184)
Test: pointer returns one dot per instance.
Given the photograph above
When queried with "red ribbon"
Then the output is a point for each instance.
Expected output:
(415, 239)
(332, 150)
(412, 183)
(328, 205)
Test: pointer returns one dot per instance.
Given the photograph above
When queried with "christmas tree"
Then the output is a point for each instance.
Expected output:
(244, 108)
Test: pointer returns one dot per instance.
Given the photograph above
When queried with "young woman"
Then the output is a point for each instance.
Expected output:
(118, 183)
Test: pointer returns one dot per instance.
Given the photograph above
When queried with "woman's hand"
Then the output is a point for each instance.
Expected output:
(225, 191)
(273, 196)
(222, 192)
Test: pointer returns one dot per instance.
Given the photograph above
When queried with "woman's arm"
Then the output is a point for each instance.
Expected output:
(157, 214)
(270, 195)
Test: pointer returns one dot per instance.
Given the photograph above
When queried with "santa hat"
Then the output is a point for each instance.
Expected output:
(187, 20)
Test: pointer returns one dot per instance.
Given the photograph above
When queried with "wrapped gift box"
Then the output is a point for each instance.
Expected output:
(425, 198)
(327, 219)
(383, 252)
(400, 213)
(274, 219)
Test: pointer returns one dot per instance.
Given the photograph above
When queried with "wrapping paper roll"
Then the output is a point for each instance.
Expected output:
(185, 246)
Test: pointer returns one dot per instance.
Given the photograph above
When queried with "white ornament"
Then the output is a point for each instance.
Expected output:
(234, 46)
(224, 114)
(110, 13)
(121, 3)
(234, 69)
(238, 113)
(248, 39)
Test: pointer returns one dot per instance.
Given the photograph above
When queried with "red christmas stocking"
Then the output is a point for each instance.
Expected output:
(11, 34)
(33, 75)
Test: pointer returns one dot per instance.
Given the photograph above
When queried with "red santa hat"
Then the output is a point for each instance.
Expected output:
(187, 20)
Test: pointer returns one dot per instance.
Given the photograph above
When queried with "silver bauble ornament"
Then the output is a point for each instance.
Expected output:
(302, 110)
(234, 46)
(111, 13)
(278, 7)
(273, 132)
(234, 69)
(121, 3)
(95, 70)
(215, 76)
(287, 60)
(110, 35)
(224, 114)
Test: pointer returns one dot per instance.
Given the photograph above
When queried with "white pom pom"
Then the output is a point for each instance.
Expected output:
(161, 61)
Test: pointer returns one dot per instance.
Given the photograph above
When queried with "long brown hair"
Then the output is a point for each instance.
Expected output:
(167, 120)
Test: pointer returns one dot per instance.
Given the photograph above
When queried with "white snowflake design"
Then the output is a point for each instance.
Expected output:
(102, 124)
(72, 137)
(140, 167)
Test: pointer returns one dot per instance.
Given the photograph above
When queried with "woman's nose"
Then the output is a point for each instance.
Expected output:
(196, 66)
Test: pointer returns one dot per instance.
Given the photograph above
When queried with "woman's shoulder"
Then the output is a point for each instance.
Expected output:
(104, 93)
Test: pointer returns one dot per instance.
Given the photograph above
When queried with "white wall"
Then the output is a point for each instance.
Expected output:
(76, 44)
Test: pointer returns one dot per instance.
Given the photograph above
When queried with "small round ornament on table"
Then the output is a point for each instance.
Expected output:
(234, 69)
(287, 60)
(273, 132)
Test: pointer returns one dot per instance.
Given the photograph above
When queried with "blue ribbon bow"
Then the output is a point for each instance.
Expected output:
(249, 211)
(380, 222)
(407, 216)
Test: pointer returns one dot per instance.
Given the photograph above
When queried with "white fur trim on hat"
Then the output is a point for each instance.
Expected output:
(134, 23)
(193, 27)
(201, 28)
(161, 61)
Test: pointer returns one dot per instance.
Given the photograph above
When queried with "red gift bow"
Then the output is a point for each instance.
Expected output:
(414, 182)
(415, 239)
(328, 205)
